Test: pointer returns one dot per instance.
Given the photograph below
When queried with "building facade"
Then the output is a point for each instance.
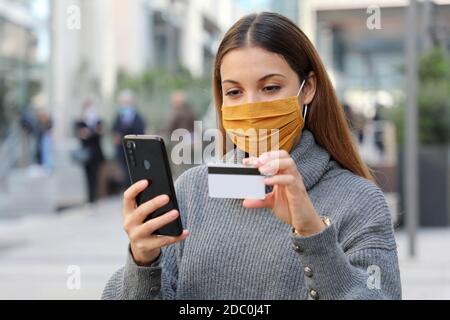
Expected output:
(129, 36)
(21, 71)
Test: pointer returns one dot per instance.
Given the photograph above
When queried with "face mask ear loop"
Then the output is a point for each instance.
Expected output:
(305, 107)
(305, 112)
(301, 87)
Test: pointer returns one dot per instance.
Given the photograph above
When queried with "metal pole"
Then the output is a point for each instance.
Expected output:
(427, 25)
(411, 168)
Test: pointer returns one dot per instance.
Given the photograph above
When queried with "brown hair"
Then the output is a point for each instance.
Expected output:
(326, 118)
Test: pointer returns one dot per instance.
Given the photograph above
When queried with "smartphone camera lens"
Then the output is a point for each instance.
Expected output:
(130, 147)
(147, 165)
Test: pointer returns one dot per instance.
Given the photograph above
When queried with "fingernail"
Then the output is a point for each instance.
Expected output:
(262, 158)
(252, 161)
(174, 213)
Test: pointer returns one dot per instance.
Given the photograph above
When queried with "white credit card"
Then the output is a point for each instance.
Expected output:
(235, 181)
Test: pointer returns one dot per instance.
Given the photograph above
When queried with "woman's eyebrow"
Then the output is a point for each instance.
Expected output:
(230, 81)
(261, 79)
(271, 75)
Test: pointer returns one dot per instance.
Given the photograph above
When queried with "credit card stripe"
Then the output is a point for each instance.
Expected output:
(234, 170)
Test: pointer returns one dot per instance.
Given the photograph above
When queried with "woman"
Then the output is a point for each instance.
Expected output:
(323, 232)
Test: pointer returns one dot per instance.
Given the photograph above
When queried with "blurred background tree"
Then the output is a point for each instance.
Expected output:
(433, 100)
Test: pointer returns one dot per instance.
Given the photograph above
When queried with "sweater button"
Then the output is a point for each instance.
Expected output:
(313, 294)
(154, 289)
(297, 248)
(308, 272)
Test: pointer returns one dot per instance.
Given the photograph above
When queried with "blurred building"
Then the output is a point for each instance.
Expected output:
(23, 74)
(288, 8)
(131, 36)
(19, 66)
(365, 61)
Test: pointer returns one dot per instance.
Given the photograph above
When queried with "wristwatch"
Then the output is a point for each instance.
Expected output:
(326, 221)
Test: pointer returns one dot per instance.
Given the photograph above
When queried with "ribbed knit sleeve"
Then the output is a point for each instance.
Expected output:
(133, 282)
(362, 264)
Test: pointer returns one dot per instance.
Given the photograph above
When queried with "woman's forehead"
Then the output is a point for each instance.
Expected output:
(253, 62)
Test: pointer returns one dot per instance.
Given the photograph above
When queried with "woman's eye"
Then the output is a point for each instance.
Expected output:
(232, 93)
(271, 89)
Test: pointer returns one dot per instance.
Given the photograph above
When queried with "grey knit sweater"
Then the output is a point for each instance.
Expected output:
(239, 253)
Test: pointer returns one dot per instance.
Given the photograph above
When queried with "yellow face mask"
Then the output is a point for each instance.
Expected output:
(264, 126)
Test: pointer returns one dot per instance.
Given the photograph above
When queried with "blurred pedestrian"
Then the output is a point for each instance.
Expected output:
(128, 121)
(379, 128)
(44, 140)
(181, 117)
(28, 125)
(89, 130)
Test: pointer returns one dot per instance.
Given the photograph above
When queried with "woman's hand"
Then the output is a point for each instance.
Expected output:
(146, 247)
(289, 199)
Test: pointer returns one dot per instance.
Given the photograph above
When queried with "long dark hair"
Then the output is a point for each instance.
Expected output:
(326, 119)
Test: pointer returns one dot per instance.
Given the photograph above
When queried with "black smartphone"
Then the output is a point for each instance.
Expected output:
(146, 157)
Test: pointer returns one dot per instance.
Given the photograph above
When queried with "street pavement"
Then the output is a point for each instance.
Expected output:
(427, 275)
(37, 251)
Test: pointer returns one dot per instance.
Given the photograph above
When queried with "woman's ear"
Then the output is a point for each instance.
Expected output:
(310, 88)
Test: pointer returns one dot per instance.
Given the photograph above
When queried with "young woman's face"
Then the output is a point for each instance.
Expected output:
(253, 74)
